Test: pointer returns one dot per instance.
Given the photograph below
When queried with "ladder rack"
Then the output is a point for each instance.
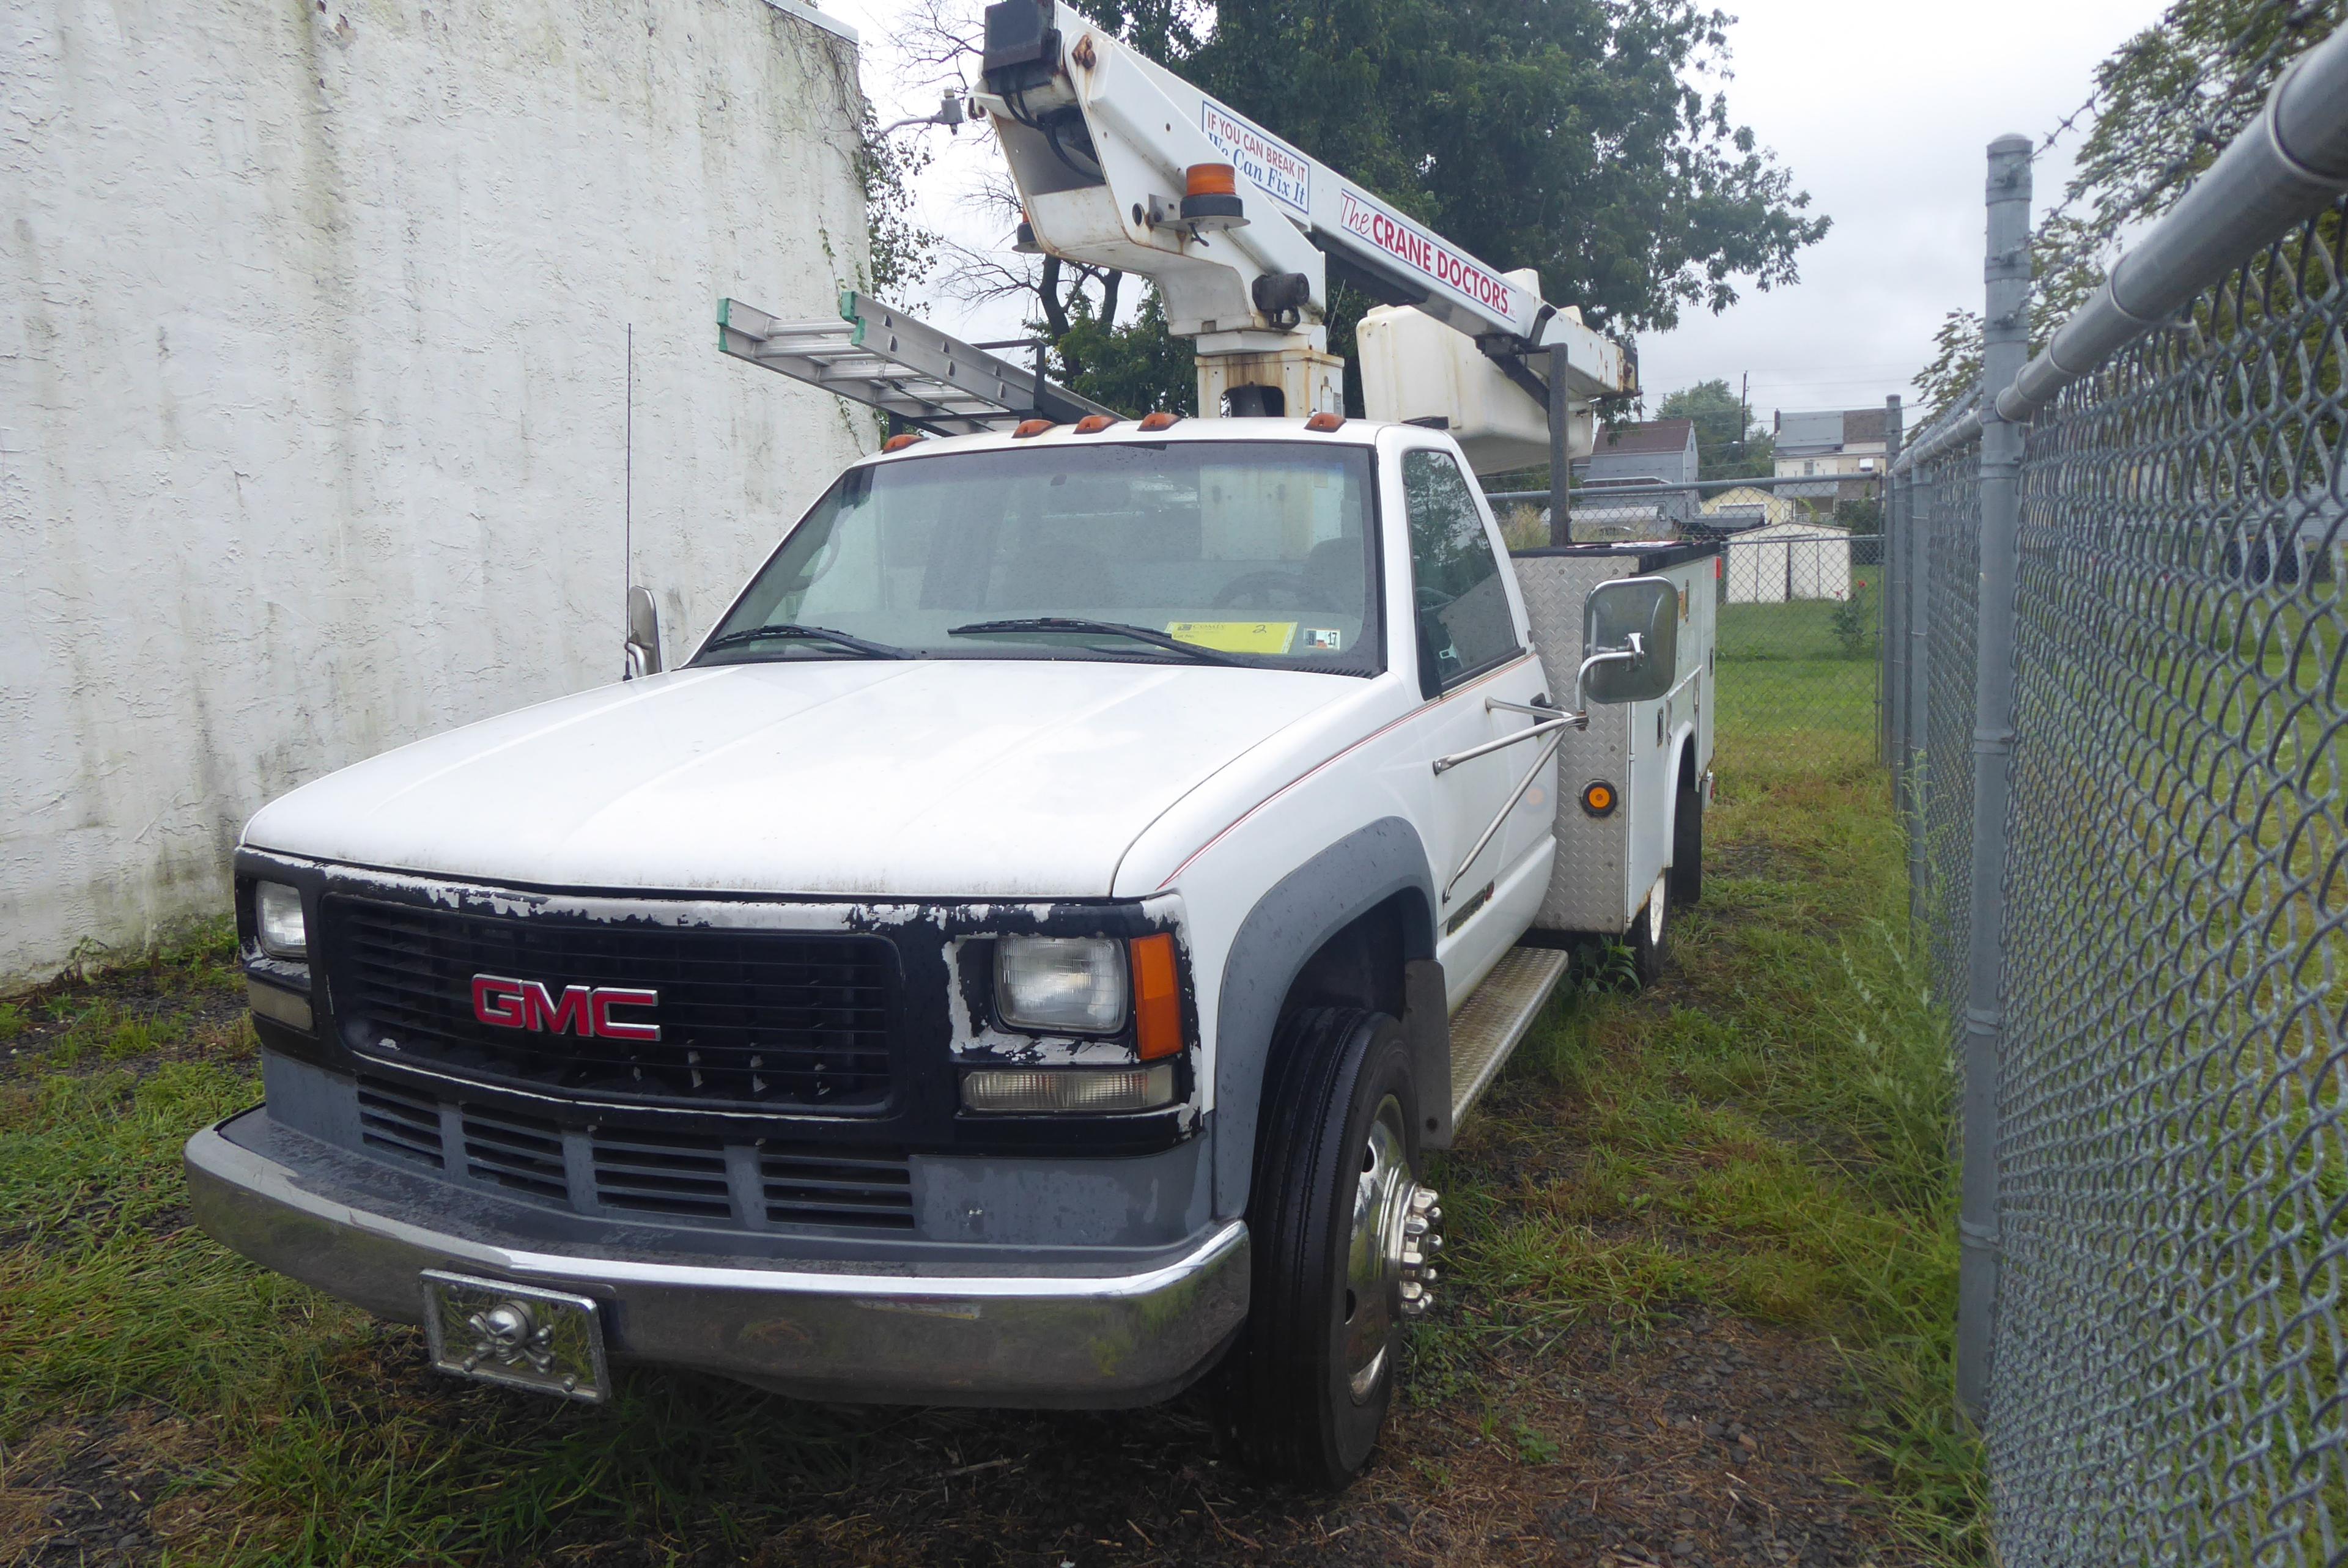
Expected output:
(875, 354)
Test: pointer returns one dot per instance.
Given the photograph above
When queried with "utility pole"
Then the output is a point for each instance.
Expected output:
(1744, 416)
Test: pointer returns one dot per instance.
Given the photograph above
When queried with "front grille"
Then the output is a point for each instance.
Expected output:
(399, 1121)
(753, 1019)
(523, 1152)
(682, 1178)
(662, 1174)
(814, 1186)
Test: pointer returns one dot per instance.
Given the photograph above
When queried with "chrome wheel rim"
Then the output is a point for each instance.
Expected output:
(1371, 1301)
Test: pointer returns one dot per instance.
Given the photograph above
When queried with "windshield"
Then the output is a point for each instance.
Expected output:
(1246, 552)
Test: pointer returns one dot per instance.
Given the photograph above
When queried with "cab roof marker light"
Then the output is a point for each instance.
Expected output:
(1161, 420)
(1094, 423)
(898, 443)
(1324, 421)
(1032, 427)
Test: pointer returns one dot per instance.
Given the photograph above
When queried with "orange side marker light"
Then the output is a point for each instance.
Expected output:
(1157, 1001)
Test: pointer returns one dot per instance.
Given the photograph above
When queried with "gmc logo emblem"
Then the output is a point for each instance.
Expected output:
(585, 1010)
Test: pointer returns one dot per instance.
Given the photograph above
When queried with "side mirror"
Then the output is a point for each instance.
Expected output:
(644, 634)
(1630, 641)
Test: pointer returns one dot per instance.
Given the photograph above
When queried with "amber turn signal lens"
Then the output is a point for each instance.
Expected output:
(1031, 427)
(1325, 422)
(1210, 179)
(1094, 423)
(898, 443)
(1157, 1002)
(1161, 420)
(1598, 799)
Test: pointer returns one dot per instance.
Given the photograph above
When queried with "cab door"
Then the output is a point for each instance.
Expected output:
(1486, 820)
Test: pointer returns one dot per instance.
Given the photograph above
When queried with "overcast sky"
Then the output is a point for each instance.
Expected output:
(1882, 111)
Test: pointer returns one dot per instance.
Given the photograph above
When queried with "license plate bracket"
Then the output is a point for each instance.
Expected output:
(520, 1336)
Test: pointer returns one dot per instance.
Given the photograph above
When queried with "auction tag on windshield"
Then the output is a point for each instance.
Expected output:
(1235, 636)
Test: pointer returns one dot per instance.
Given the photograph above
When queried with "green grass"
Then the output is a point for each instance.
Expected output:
(1768, 1131)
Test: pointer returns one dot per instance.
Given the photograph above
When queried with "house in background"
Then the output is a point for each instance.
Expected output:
(1842, 448)
(1634, 458)
(1744, 507)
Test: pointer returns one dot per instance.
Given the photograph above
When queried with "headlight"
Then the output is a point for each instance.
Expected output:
(277, 917)
(1072, 983)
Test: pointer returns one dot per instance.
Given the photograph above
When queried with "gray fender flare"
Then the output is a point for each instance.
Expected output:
(1288, 925)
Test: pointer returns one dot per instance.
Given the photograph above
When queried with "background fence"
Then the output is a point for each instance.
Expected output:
(1800, 606)
(2114, 707)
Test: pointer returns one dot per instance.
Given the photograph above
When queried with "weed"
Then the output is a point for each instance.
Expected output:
(12, 1022)
(133, 1037)
(1853, 621)
(1534, 1447)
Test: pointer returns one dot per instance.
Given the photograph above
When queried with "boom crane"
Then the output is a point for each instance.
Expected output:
(1122, 164)
(1119, 163)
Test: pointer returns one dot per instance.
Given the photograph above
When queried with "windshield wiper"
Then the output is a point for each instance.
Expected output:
(870, 650)
(1076, 624)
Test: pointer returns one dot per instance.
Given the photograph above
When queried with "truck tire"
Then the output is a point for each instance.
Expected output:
(1342, 1249)
(1687, 847)
(1651, 934)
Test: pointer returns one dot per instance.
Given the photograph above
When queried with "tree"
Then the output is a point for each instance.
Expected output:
(1574, 135)
(1139, 368)
(2164, 105)
(1728, 444)
(899, 247)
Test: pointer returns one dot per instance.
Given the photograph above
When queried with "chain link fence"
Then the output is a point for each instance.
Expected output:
(2156, 1187)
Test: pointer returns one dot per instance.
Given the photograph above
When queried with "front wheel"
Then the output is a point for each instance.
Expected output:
(1344, 1242)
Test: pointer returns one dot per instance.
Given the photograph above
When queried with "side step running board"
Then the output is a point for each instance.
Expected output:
(1495, 1016)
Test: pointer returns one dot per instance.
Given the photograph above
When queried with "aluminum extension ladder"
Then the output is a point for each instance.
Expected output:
(876, 355)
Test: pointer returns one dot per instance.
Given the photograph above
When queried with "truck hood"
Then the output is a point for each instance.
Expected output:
(943, 778)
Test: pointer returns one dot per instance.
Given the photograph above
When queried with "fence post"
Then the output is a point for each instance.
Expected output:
(1916, 707)
(1560, 468)
(1886, 573)
(2005, 348)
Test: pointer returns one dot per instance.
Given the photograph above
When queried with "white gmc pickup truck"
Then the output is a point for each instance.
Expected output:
(1022, 958)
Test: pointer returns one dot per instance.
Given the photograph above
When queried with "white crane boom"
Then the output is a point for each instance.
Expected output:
(1121, 164)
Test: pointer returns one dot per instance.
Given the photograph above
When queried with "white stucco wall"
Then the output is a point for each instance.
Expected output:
(312, 333)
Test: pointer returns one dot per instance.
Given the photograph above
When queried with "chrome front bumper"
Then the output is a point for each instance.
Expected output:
(1007, 1340)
